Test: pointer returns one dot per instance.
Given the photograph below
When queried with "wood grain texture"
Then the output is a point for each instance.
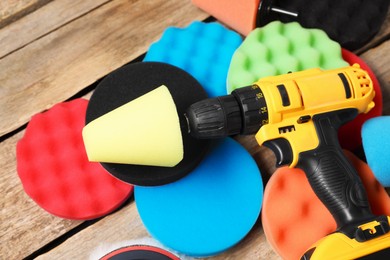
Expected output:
(123, 225)
(43, 21)
(60, 64)
(126, 225)
(24, 227)
(11, 10)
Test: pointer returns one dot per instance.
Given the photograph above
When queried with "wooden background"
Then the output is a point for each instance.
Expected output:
(51, 51)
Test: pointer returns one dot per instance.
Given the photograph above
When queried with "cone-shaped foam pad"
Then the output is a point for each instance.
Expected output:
(294, 218)
(137, 252)
(376, 144)
(352, 23)
(209, 210)
(133, 81)
(350, 134)
(238, 14)
(53, 167)
(278, 48)
(106, 137)
(202, 49)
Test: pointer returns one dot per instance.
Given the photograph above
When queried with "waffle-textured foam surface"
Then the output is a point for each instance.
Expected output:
(352, 23)
(202, 49)
(376, 144)
(293, 217)
(279, 48)
(53, 167)
(209, 210)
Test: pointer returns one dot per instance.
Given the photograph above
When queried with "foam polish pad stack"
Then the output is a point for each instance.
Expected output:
(352, 23)
(376, 144)
(294, 218)
(204, 50)
(278, 48)
(136, 116)
(54, 169)
(203, 204)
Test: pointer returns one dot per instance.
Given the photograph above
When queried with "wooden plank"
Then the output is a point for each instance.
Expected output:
(24, 227)
(60, 64)
(11, 10)
(43, 21)
(126, 225)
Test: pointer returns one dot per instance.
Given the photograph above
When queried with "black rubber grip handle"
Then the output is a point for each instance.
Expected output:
(331, 175)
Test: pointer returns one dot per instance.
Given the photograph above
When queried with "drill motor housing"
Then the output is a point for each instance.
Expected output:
(295, 98)
(279, 109)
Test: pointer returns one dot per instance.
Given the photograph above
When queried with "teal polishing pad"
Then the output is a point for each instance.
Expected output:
(204, 50)
(376, 144)
(209, 210)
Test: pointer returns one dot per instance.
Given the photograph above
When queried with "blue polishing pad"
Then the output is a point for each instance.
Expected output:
(376, 144)
(202, 49)
(209, 210)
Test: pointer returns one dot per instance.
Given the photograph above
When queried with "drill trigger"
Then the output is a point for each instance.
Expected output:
(282, 150)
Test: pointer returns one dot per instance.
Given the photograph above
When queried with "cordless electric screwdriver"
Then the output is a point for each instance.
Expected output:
(297, 116)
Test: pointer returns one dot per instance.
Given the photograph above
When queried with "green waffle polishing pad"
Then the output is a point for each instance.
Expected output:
(278, 48)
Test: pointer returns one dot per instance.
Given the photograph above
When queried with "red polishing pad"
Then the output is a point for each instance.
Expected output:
(54, 169)
(138, 252)
(294, 218)
(350, 133)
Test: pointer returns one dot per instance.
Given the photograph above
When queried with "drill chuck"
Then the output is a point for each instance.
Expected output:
(242, 112)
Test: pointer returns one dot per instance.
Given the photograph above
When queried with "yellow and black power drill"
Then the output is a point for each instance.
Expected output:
(297, 115)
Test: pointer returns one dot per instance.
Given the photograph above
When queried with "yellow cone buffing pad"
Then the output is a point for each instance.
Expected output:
(145, 122)
(150, 135)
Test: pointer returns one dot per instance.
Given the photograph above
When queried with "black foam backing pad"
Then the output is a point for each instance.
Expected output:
(132, 81)
(352, 23)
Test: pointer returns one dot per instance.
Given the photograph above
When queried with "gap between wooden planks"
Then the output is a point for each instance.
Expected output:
(42, 22)
(12, 10)
(60, 64)
(126, 225)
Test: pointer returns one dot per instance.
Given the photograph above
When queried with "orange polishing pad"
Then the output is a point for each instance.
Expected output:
(240, 15)
(294, 218)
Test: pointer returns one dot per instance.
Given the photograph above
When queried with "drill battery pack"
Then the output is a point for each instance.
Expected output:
(373, 244)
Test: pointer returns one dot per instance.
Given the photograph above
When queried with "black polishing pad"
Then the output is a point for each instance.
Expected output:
(133, 81)
(352, 23)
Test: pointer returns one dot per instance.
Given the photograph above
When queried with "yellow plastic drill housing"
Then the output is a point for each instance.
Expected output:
(293, 99)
